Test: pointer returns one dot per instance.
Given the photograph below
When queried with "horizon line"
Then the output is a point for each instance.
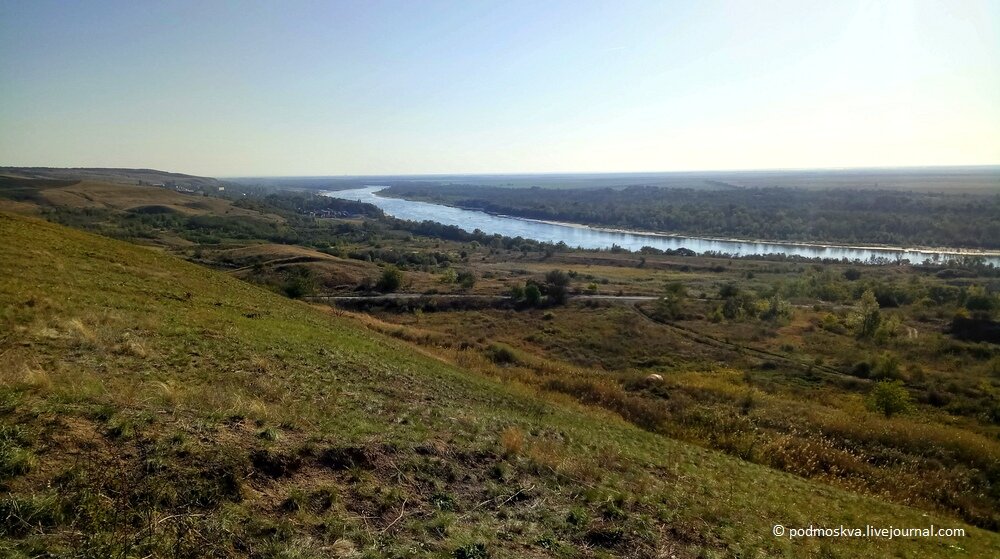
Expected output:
(581, 173)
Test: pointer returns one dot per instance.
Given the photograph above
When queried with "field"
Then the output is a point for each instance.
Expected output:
(736, 373)
(152, 404)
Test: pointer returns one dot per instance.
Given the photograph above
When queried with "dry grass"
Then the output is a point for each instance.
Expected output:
(130, 344)
(512, 441)
(169, 392)
(36, 378)
(97, 194)
(82, 332)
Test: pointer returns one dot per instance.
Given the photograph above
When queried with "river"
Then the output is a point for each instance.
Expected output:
(593, 237)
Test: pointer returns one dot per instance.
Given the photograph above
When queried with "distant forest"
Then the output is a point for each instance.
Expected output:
(776, 214)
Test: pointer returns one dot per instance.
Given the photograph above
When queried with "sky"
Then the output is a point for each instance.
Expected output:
(288, 87)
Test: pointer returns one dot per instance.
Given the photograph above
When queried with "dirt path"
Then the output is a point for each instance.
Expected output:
(472, 297)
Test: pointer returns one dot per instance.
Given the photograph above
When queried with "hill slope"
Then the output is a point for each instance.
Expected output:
(124, 176)
(149, 406)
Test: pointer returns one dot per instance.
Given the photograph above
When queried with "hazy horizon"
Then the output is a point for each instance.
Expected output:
(441, 88)
(904, 168)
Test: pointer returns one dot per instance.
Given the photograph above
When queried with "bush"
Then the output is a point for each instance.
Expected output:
(501, 355)
(557, 286)
(466, 279)
(978, 300)
(889, 398)
(471, 551)
(668, 308)
(862, 369)
(516, 292)
(532, 295)
(886, 367)
(391, 280)
(298, 283)
(776, 308)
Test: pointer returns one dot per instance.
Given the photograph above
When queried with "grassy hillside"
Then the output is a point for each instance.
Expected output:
(150, 407)
(122, 176)
(107, 195)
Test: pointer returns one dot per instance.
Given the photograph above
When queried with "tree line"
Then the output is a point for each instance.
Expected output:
(834, 215)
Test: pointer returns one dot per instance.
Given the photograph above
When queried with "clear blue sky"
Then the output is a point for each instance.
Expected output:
(315, 88)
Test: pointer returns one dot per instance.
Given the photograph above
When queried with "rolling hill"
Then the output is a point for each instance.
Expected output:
(152, 407)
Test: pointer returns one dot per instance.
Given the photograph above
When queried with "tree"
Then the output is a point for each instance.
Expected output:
(532, 295)
(557, 286)
(868, 317)
(889, 397)
(391, 280)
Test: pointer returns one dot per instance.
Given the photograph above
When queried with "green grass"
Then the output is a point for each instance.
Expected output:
(152, 407)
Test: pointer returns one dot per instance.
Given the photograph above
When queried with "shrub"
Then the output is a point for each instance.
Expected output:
(862, 369)
(501, 354)
(776, 309)
(299, 283)
(466, 279)
(516, 292)
(889, 398)
(978, 300)
(557, 286)
(532, 295)
(740, 305)
(472, 551)
(669, 307)
(886, 367)
(391, 280)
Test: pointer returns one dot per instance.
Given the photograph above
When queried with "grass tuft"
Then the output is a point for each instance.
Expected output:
(512, 441)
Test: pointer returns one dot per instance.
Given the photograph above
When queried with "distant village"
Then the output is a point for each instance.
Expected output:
(174, 185)
(329, 213)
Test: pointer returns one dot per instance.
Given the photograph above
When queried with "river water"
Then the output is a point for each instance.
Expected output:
(592, 237)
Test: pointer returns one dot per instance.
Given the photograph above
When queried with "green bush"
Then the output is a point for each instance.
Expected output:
(466, 279)
(391, 280)
(532, 295)
(502, 355)
(889, 398)
(887, 367)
